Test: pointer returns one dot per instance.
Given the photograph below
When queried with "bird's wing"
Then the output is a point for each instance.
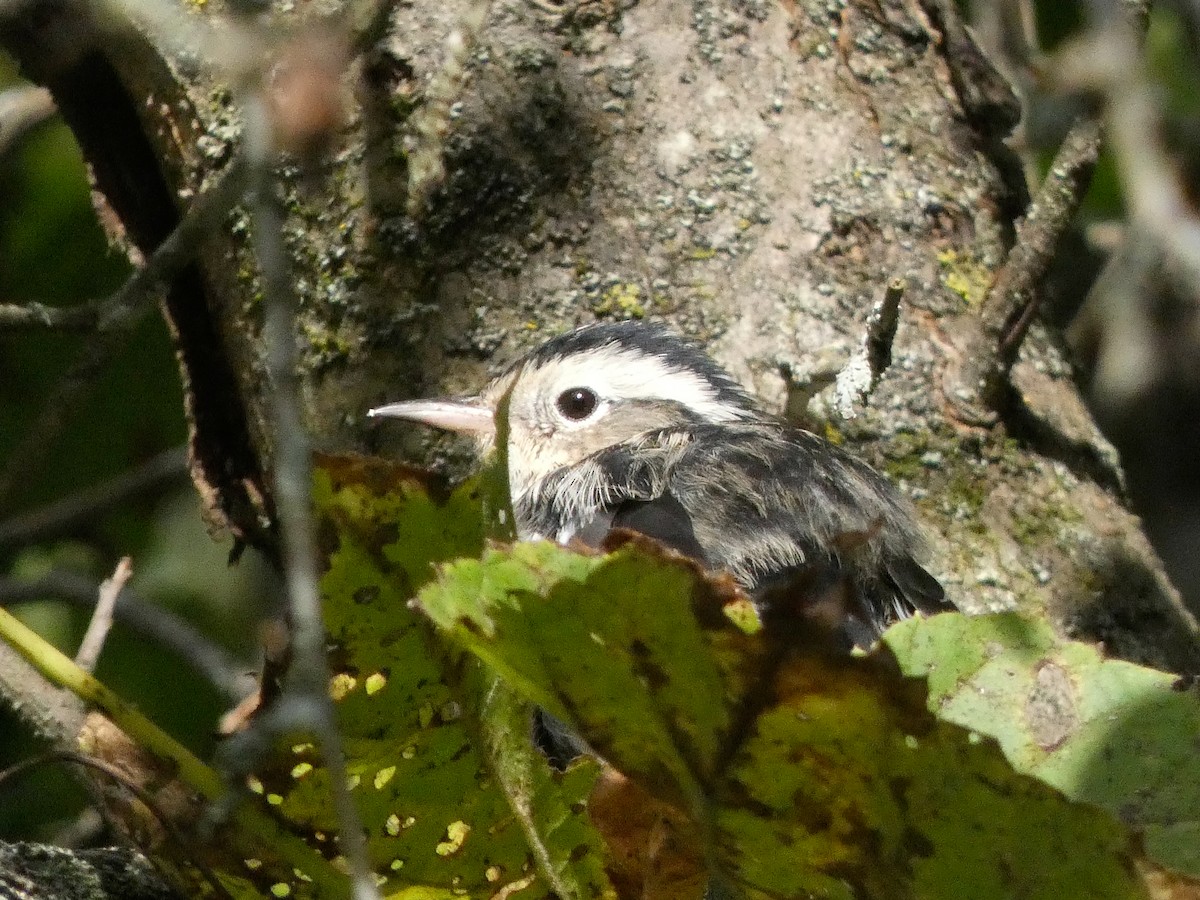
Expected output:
(769, 502)
(765, 502)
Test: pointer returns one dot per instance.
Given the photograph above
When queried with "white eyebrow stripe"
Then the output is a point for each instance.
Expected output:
(620, 373)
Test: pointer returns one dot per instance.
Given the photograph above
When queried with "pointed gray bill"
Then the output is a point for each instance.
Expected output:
(464, 416)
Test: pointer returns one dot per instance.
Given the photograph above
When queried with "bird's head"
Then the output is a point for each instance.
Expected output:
(586, 390)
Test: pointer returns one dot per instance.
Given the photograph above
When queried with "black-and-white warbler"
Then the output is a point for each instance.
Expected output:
(628, 425)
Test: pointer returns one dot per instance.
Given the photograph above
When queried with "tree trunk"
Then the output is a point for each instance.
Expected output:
(755, 173)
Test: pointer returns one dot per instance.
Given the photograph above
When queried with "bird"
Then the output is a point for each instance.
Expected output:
(629, 425)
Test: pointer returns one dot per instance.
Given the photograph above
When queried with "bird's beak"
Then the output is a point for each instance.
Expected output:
(467, 416)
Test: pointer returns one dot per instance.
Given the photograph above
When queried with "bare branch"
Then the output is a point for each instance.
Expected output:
(1111, 61)
(975, 386)
(51, 713)
(102, 616)
(143, 795)
(159, 625)
(233, 44)
(61, 517)
(31, 316)
(22, 109)
(858, 378)
(309, 673)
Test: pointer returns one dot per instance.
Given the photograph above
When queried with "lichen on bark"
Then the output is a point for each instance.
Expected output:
(755, 174)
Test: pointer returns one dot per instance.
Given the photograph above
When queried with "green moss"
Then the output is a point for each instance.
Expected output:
(622, 301)
(702, 253)
(402, 104)
(967, 492)
(1043, 523)
(903, 455)
(965, 275)
(325, 343)
(903, 468)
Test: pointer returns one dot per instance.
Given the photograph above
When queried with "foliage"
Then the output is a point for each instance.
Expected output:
(787, 768)
(452, 802)
(1102, 731)
(768, 762)
(796, 769)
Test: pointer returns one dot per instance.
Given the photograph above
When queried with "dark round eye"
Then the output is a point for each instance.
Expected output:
(577, 403)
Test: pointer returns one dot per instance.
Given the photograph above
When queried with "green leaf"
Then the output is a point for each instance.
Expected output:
(420, 722)
(1102, 731)
(805, 772)
(591, 638)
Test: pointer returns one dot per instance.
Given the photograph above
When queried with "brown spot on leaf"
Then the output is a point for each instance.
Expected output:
(917, 844)
(368, 593)
(1050, 710)
(653, 849)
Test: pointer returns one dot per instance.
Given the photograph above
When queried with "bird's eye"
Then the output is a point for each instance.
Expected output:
(577, 403)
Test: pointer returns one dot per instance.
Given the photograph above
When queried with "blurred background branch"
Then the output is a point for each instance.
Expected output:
(95, 471)
(22, 109)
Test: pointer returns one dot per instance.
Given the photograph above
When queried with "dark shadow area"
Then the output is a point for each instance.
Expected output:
(1159, 442)
(1082, 458)
(522, 151)
(1123, 607)
(1136, 341)
(59, 49)
(1147, 770)
(518, 161)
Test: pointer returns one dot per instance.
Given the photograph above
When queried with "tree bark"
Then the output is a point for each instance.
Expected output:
(755, 173)
(40, 872)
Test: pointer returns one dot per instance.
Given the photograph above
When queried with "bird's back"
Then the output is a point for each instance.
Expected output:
(763, 501)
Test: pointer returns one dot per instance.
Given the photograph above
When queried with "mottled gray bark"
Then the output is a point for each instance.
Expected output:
(755, 173)
(39, 872)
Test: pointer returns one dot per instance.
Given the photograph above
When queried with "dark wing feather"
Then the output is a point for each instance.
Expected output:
(920, 591)
(664, 519)
(765, 502)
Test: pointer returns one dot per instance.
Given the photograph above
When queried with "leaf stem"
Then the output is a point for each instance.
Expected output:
(257, 828)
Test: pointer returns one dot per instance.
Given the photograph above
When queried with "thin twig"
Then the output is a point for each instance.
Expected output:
(40, 317)
(84, 507)
(234, 44)
(160, 626)
(309, 674)
(102, 616)
(858, 377)
(118, 316)
(1157, 200)
(21, 109)
(1016, 287)
(54, 668)
(143, 795)
(975, 387)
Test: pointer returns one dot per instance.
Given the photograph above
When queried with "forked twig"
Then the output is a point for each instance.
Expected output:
(102, 616)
